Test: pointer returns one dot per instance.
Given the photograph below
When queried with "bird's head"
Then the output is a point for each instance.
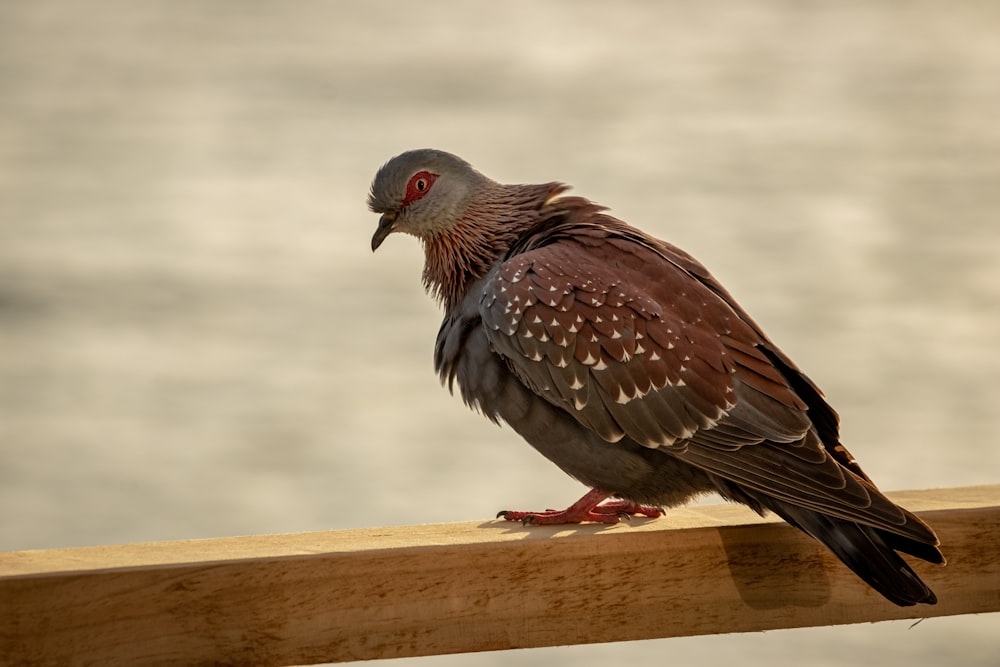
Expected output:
(422, 192)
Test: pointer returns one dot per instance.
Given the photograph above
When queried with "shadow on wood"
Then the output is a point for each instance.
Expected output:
(422, 590)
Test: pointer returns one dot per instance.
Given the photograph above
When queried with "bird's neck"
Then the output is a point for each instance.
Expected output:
(459, 256)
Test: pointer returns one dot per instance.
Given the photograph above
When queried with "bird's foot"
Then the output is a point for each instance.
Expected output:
(587, 509)
(628, 509)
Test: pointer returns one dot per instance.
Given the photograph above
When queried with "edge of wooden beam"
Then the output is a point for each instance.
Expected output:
(446, 588)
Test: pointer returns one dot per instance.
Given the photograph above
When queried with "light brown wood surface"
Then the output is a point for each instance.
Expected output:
(421, 590)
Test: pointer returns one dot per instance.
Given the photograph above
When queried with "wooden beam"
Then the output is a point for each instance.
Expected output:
(421, 590)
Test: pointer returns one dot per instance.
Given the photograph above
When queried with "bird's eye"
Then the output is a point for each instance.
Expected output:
(419, 185)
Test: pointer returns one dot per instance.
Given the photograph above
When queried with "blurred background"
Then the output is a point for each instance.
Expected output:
(196, 340)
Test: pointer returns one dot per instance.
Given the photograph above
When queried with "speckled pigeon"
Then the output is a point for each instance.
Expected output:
(622, 360)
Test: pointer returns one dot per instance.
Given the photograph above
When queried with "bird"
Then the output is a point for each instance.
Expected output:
(623, 361)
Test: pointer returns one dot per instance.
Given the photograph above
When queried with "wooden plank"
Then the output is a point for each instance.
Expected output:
(421, 590)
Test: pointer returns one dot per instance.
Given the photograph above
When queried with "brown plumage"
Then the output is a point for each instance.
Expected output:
(623, 361)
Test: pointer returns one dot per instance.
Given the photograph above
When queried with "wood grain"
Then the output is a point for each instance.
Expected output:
(422, 590)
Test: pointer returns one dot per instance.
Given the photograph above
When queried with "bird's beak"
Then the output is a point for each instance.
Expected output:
(385, 224)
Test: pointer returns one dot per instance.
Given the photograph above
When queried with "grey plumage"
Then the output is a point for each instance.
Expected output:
(622, 360)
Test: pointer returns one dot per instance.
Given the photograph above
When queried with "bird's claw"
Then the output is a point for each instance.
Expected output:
(526, 518)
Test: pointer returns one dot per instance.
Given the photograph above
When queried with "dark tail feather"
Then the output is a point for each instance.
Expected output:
(870, 552)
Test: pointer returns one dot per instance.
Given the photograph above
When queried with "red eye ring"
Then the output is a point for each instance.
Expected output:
(418, 186)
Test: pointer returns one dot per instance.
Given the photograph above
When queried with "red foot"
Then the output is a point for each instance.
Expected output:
(588, 508)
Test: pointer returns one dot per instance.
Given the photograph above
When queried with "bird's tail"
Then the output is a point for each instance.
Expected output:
(870, 552)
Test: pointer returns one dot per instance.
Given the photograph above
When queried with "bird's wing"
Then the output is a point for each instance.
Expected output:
(633, 338)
